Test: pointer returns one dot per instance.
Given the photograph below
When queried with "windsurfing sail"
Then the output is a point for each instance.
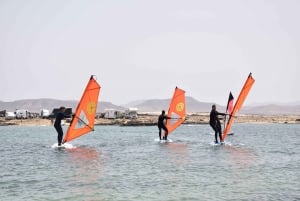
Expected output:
(84, 117)
(242, 96)
(177, 110)
(229, 106)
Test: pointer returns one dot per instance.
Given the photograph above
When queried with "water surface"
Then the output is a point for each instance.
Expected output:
(126, 163)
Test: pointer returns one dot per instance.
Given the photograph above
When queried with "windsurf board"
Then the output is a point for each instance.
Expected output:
(63, 146)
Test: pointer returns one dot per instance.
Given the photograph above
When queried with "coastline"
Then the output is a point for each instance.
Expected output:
(147, 119)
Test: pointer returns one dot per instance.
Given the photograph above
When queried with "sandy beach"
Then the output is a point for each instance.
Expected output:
(151, 119)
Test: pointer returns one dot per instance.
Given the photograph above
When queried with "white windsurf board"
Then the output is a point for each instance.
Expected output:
(220, 143)
(63, 146)
(163, 141)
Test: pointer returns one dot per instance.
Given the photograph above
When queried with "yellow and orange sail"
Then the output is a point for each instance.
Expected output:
(177, 110)
(243, 94)
(84, 117)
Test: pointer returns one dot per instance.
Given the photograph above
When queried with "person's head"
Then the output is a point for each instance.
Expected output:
(62, 108)
(213, 107)
(163, 112)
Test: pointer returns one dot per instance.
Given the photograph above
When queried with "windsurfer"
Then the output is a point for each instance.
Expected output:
(215, 123)
(161, 125)
(57, 124)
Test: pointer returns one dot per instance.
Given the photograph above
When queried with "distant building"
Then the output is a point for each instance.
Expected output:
(10, 115)
(131, 113)
(22, 114)
(44, 113)
(2, 113)
(112, 114)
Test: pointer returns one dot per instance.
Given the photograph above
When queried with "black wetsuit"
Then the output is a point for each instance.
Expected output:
(215, 123)
(161, 125)
(57, 125)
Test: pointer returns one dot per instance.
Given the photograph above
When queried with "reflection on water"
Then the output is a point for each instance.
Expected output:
(87, 167)
(241, 157)
(83, 154)
(177, 153)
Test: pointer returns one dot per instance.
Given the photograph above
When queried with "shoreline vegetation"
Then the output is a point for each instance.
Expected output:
(147, 119)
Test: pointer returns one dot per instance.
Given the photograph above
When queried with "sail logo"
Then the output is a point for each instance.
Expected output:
(180, 107)
(91, 108)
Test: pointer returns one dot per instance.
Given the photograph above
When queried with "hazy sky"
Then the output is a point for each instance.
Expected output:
(143, 49)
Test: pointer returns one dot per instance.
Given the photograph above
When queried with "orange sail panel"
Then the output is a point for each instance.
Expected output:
(84, 118)
(243, 94)
(177, 110)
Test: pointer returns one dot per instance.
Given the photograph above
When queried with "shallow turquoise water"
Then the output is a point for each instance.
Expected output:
(125, 163)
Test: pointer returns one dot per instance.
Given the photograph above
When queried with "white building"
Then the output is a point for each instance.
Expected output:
(131, 113)
(110, 113)
(44, 113)
(9, 115)
(22, 114)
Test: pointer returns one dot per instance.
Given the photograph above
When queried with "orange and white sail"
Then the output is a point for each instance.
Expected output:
(84, 117)
(177, 110)
(243, 94)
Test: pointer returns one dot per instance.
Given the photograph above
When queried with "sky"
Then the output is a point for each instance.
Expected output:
(144, 49)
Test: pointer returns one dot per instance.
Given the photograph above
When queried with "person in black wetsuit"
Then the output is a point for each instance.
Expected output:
(161, 125)
(57, 124)
(215, 123)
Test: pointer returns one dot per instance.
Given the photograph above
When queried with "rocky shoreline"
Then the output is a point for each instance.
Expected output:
(151, 120)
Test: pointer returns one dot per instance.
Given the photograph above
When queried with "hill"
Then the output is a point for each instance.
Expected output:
(156, 105)
(272, 109)
(153, 105)
(35, 105)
